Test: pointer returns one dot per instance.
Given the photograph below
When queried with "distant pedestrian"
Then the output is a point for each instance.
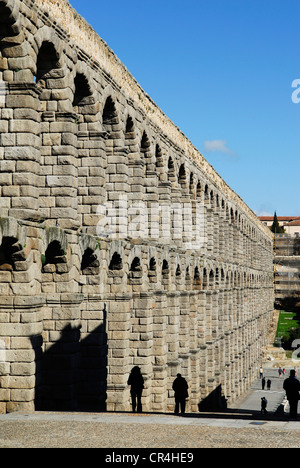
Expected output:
(269, 383)
(263, 383)
(292, 388)
(180, 387)
(280, 371)
(136, 382)
(264, 404)
(261, 373)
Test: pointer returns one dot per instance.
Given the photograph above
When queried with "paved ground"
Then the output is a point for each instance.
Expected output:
(240, 427)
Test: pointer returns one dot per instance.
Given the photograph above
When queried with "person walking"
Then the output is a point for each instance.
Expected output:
(291, 386)
(180, 387)
(269, 383)
(263, 383)
(136, 382)
(264, 404)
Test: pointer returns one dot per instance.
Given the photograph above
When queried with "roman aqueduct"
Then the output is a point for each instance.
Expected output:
(119, 244)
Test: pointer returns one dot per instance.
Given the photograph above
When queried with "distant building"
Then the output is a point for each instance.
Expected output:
(291, 223)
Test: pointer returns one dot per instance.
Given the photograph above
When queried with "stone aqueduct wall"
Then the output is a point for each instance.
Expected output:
(79, 309)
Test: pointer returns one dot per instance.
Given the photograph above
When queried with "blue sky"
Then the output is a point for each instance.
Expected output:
(222, 71)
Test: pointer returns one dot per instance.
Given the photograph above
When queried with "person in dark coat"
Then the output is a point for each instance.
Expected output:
(136, 382)
(180, 387)
(292, 388)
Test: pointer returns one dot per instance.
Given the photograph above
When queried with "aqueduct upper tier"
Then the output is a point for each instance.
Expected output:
(119, 244)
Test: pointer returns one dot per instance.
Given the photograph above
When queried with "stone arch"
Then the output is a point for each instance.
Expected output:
(171, 170)
(109, 115)
(159, 160)
(9, 250)
(145, 150)
(47, 60)
(211, 280)
(136, 264)
(152, 270)
(135, 273)
(116, 263)
(165, 270)
(182, 175)
(82, 91)
(53, 252)
(10, 24)
(178, 271)
(192, 185)
(197, 279)
(90, 264)
(205, 279)
(129, 129)
(199, 189)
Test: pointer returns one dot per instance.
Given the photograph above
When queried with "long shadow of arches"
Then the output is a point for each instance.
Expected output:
(72, 373)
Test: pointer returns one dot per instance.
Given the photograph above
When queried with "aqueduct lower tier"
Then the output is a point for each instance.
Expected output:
(119, 244)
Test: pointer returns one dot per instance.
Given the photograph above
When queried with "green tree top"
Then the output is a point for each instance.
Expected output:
(276, 228)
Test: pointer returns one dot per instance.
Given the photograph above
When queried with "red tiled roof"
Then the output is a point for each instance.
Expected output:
(296, 222)
(280, 218)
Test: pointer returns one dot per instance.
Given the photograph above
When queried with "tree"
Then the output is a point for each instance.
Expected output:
(276, 228)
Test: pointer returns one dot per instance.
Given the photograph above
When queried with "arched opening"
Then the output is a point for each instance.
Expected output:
(165, 270)
(136, 265)
(178, 271)
(152, 270)
(211, 280)
(90, 263)
(187, 275)
(192, 183)
(136, 270)
(82, 92)
(8, 251)
(171, 170)
(158, 157)
(205, 279)
(47, 60)
(54, 256)
(129, 129)
(109, 116)
(145, 143)
(197, 279)
(182, 175)
(8, 28)
(116, 263)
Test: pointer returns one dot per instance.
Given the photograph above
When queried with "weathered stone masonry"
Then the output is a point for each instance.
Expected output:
(78, 310)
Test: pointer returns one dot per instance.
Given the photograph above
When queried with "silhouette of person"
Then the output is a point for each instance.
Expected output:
(180, 387)
(291, 386)
(263, 383)
(264, 404)
(136, 382)
(269, 383)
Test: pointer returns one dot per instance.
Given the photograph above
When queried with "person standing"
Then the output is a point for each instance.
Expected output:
(180, 387)
(136, 382)
(292, 388)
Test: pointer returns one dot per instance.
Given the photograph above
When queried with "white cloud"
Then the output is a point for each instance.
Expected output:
(263, 213)
(218, 146)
